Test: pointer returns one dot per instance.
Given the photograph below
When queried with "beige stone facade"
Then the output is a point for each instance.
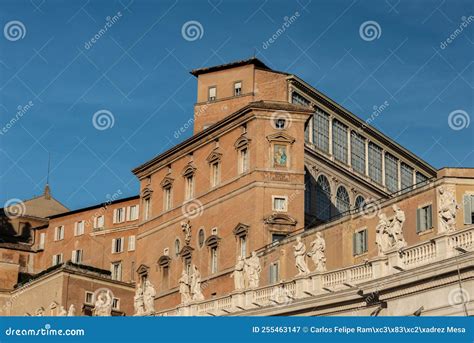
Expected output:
(271, 159)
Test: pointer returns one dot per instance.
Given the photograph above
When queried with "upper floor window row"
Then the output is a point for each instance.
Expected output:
(212, 91)
(123, 214)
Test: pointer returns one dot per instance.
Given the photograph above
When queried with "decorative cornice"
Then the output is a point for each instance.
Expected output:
(281, 219)
(242, 141)
(241, 229)
(166, 182)
(281, 137)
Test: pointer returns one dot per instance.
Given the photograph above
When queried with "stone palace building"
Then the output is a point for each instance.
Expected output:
(281, 203)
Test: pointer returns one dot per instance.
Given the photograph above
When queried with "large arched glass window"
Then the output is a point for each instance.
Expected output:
(359, 203)
(342, 200)
(323, 198)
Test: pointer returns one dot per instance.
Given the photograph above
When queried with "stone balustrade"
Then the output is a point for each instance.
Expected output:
(440, 248)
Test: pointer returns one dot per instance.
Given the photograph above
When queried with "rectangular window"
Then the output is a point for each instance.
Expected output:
(406, 176)
(117, 245)
(375, 163)
(424, 220)
(147, 208)
(215, 174)
(59, 233)
(321, 130)
(189, 187)
(280, 204)
(133, 212)
(99, 222)
(213, 260)
(119, 215)
(77, 256)
(116, 303)
(243, 245)
(420, 178)
(42, 239)
(468, 201)
(238, 88)
(243, 160)
(131, 243)
(358, 153)
(79, 228)
(212, 93)
(276, 237)
(299, 100)
(89, 298)
(391, 173)
(339, 141)
(116, 270)
(274, 273)
(57, 259)
(167, 198)
(360, 242)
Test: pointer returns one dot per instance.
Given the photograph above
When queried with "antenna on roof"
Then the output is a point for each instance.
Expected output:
(47, 191)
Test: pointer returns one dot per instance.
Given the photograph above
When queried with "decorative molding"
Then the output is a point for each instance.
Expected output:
(164, 261)
(214, 156)
(281, 137)
(189, 169)
(242, 141)
(241, 229)
(146, 193)
(166, 182)
(212, 241)
(186, 251)
(143, 269)
(280, 219)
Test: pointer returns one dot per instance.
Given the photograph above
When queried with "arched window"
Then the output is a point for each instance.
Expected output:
(177, 247)
(359, 203)
(201, 238)
(342, 200)
(323, 198)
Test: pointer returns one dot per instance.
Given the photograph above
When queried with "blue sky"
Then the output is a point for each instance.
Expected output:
(138, 70)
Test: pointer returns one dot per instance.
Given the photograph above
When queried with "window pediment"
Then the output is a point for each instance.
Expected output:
(189, 170)
(187, 251)
(143, 269)
(281, 219)
(164, 261)
(242, 142)
(241, 229)
(214, 156)
(281, 137)
(146, 193)
(166, 182)
(212, 241)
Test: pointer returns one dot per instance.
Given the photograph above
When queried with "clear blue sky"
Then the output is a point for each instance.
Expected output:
(139, 71)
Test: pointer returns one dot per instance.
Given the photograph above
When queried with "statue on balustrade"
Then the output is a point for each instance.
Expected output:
(239, 274)
(300, 255)
(317, 253)
(396, 228)
(184, 288)
(62, 312)
(447, 208)
(72, 311)
(138, 301)
(196, 284)
(252, 270)
(103, 304)
(382, 238)
(149, 297)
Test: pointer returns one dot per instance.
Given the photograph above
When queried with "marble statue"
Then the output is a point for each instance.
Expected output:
(149, 297)
(317, 253)
(300, 254)
(447, 208)
(103, 304)
(196, 284)
(186, 227)
(62, 312)
(72, 311)
(184, 288)
(39, 312)
(396, 228)
(138, 301)
(252, 270)
(239, 274)
(382, 238)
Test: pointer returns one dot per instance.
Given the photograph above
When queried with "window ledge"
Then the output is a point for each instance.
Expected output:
(425, 232)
